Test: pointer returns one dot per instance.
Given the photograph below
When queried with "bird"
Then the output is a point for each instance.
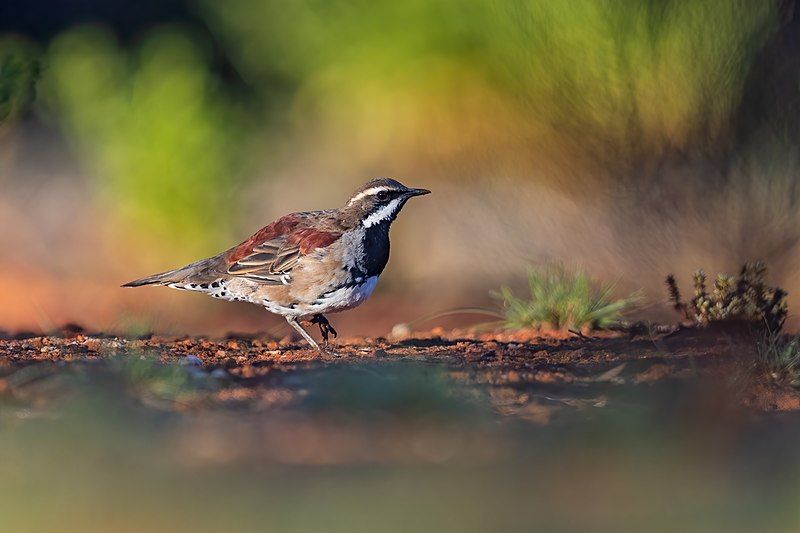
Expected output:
(304, 265)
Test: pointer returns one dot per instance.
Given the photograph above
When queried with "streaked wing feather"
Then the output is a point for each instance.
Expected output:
(285, 263)
(270, 247)
(263, 278)
(270, 254)
(258, 259)
(268, 261)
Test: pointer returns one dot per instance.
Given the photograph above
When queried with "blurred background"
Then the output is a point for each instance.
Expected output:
(634, 138)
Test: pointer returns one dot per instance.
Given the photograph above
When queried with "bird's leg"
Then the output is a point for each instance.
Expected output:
(325, 327)
(293, 322)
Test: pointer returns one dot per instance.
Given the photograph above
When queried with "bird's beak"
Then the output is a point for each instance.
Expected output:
(418, 192)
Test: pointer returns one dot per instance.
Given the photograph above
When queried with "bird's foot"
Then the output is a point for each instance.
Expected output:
(325, 328)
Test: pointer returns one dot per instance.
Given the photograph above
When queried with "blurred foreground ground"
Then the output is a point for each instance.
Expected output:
(436, 432)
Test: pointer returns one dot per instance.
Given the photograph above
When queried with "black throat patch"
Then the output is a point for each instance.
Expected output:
(376, 248)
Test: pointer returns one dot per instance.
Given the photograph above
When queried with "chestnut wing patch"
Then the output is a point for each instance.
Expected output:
(271, 262)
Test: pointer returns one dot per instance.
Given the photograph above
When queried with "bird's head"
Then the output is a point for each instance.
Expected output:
(378, 201)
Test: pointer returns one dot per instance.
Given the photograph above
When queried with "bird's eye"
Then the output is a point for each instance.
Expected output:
(382, 195)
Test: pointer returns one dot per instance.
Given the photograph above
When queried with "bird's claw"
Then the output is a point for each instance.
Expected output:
(325, 328)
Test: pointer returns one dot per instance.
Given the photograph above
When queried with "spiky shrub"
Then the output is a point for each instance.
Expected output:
(746, 297)
(563, 299)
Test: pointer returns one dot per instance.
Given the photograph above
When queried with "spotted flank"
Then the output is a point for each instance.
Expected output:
(216, 289)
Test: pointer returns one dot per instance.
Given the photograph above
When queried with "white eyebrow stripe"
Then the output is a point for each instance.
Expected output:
(368, 192)
(383, 213)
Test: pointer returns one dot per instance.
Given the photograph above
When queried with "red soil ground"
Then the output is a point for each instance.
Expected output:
(513, 367)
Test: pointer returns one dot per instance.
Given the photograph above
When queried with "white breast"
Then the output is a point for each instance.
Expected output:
(344, 298)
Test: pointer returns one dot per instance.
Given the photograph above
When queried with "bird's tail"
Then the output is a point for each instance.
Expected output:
(198, 272)
(163, 278)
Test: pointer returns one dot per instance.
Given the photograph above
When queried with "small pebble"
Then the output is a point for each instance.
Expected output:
(400, 331)
(192, 360)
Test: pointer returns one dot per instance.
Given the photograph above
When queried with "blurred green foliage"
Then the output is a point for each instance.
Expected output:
(161, 136)
(561, 298)
(607, 80)
(571, 93)
(19, 71)
(156, 383)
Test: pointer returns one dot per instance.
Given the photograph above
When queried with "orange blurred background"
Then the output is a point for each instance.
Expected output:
(635, 139)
